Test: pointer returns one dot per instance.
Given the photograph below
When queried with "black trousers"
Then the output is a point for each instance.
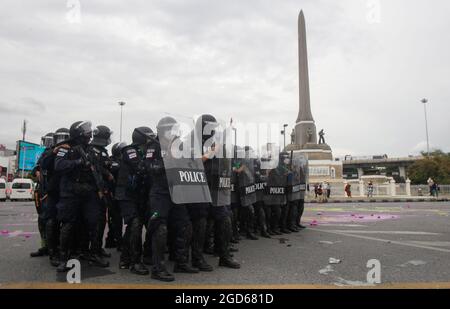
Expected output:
(72, 210)
(166, 215)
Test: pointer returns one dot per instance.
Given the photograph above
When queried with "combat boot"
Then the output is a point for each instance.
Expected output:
(265, 234)
(293, 229)
(139, 269)
(53, 258)
(202, 266)
(40, 252)
(97, 260)
(184, 268)
(251, 236)
(229, 263)
(276, 232)
(162, 275)
(285, 231)
(62, 266)
(123, 264)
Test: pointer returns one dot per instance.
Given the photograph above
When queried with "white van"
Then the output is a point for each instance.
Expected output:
(21, 189)
(2, 190)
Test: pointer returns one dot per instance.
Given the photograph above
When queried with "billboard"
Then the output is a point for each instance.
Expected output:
(27, 155)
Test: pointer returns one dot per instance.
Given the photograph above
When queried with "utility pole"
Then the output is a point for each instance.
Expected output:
(24, 129)
(121, 117)
(425, 101)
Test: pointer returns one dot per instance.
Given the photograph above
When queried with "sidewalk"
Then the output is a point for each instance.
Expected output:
(381, 199)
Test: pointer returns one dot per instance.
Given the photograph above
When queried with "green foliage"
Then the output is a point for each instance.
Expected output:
(436, 166)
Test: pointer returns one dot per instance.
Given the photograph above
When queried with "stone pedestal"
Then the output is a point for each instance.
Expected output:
(392, 187)
(361, 188)
(408, 187)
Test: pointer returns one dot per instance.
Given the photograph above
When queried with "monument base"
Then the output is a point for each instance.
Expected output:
(321, 166)
(313, 151)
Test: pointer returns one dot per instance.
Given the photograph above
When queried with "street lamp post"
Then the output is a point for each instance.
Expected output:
(121, 117)
(425, 101)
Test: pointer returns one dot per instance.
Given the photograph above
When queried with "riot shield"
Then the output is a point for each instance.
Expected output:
(186, 175)
(295, 185)
(220, 182)
(260, 181)
(299, 164)
(234, 182)
(247, 188)
(276, 187)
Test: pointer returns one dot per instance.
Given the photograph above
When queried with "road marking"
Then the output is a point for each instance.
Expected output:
(401, 243)
(432, 243)
(413, 263)
(384, 232)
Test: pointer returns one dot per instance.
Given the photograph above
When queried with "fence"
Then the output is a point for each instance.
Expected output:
(337, 190)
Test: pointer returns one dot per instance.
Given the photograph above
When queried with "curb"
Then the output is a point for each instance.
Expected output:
(394, 200)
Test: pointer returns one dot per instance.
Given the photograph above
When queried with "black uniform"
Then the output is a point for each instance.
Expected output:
(115, 222)
(79, 201)
(260, 209)
(166, 215)
(100, 160)
(130, 180)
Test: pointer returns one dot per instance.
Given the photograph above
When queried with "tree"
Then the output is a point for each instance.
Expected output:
(436, 166)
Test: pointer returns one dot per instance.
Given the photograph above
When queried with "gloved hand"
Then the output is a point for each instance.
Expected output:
(157, 167)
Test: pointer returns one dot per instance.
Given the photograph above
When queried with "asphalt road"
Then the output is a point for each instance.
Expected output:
(410, 240)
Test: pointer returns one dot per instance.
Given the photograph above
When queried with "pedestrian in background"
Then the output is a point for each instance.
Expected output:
(370, 189)
(348, 190)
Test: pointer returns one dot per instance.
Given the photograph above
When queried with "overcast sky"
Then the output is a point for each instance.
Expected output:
(370, 64)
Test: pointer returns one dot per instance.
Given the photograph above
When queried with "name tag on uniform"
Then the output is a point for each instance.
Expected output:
(62, 152)
(150, 153)
(132, 153)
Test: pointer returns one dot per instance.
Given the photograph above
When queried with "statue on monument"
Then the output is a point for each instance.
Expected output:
(293, 137)
(309, 134)
(321, 137)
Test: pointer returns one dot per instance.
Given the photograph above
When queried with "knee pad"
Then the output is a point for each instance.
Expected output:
(160, 234)
(153, 225)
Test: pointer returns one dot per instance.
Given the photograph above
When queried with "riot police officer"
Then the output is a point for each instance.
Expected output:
(131, 179)
(115, 223)
(218, 172)
(50, 191)
(100, 158)
(165, 214)
(79, 188)
(260, 184)
(40, 194)
(247, 192)
(275, 196)
(285, 162)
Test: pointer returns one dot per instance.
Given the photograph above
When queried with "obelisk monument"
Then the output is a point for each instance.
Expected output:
(305, 128)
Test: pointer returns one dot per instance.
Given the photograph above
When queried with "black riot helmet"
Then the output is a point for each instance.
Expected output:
(142, 135)
(81, 132)
(249, 152)
(117, 149)
(168, 128)
(285, 158)
(102, 136)
(47, 140)
(61, 135)
(204, 127)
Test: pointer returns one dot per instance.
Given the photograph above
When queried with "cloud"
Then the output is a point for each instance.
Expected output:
(229, 58)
